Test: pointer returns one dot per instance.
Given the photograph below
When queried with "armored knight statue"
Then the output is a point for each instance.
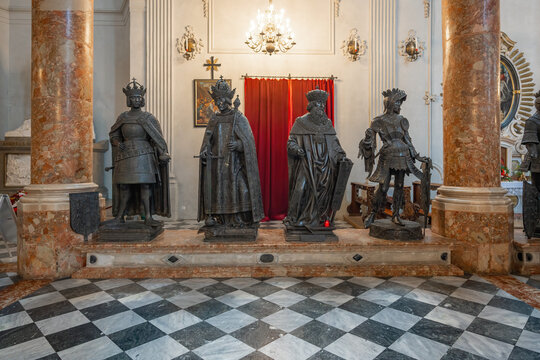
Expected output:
(230, 200)
(140, 171)
(396, 158)
(318, 174)
(531, 193)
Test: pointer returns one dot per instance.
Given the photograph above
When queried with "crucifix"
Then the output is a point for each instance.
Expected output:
(212, 66)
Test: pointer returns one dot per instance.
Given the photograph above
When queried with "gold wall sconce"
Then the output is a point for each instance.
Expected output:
(411, 48)
(353, 47)
(188, 45)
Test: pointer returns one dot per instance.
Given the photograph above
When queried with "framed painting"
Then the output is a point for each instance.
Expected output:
(204, 105)
(509, 91)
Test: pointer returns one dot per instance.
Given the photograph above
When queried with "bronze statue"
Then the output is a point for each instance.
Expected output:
(230, 200)
(318, 173)
(531, 197)
(396, 157)
(140, 166)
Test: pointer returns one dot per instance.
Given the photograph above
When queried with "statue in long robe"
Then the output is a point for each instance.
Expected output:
(230, 200)
(314, 159)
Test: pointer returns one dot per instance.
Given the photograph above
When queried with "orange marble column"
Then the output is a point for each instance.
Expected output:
(471, 205)
(62, 76)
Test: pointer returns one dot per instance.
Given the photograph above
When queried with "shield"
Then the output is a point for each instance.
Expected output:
(84, 213)
(425, 189)
(344, 170)
(530, 208)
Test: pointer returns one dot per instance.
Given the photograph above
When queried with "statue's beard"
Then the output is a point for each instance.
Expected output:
(318, 115)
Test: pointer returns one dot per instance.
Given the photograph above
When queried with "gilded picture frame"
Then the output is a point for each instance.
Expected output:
(204, 106)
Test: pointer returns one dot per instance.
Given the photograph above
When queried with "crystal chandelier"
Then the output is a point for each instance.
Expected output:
(270, 35)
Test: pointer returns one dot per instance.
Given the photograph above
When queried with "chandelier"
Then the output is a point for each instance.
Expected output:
(270, 35)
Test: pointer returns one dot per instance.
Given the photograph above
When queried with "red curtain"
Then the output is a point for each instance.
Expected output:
(271, 106)
(266, 107)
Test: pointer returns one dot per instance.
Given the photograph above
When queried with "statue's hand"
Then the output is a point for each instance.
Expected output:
(122, 146)
(234, 146)
(164, 158)
(301, 152)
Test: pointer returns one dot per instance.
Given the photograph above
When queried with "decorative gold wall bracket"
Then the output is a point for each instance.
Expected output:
(354, 47)
(188, 46)
(411, 48)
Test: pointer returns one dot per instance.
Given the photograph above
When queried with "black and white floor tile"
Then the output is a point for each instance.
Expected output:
(7, 279)
(276, 318)
(533, 280)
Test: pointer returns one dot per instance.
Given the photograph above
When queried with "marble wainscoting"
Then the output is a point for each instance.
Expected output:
(182, 253)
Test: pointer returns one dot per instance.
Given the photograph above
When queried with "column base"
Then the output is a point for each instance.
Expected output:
(481, 217)
(46, 240)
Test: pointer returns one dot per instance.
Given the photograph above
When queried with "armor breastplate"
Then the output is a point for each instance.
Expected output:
(133, 131)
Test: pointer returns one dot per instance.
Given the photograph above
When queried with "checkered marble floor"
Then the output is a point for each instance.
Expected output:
(276, 318)
(7, 279)
(533, 280)
(274, 224)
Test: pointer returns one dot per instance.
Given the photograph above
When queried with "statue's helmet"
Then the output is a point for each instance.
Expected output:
(133, 88)
(222, 90)
(391, 96)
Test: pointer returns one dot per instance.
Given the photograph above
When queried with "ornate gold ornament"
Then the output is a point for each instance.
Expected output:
(516, 90)
(354, 47)
(188, 45)
(411, 48)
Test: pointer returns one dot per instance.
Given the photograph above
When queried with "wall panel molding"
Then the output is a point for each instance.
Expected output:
(382, 56)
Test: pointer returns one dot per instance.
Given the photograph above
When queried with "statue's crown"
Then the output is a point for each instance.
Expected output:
(134, 88)
(221, 89)
(394, 94)
(317, 95)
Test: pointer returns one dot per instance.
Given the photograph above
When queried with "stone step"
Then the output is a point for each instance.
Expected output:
(183, 253)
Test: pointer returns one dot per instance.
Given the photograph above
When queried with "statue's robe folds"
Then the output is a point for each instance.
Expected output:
(312, 178)
(234, 175)
(160, 200)
(531, 135)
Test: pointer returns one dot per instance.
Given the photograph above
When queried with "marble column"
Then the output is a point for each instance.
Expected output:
(471, 205)
(61, 100)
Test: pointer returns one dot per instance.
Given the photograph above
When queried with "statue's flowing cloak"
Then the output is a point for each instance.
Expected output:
(531, 135)
(397, 151)
(312, 177)
(235, 181)
(160, 200)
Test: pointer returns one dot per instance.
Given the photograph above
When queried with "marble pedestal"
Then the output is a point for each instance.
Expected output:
(46, 242)
(483, 219)
(183, 253)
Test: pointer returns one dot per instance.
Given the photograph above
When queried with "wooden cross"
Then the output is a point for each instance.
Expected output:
(212, 66)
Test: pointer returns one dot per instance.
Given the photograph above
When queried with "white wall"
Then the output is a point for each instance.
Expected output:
(4, 66)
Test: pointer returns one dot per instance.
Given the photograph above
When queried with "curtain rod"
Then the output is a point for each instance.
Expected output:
(331, 77)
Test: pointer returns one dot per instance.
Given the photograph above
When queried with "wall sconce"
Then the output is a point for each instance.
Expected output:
(411, 48)
(189, 46)
(353, 47)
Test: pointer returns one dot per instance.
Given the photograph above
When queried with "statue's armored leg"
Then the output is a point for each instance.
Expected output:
(145, 198)
(124, 198)
(378, 201)
(397, 199)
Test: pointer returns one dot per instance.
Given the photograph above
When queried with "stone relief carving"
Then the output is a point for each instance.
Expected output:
(17, 170)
